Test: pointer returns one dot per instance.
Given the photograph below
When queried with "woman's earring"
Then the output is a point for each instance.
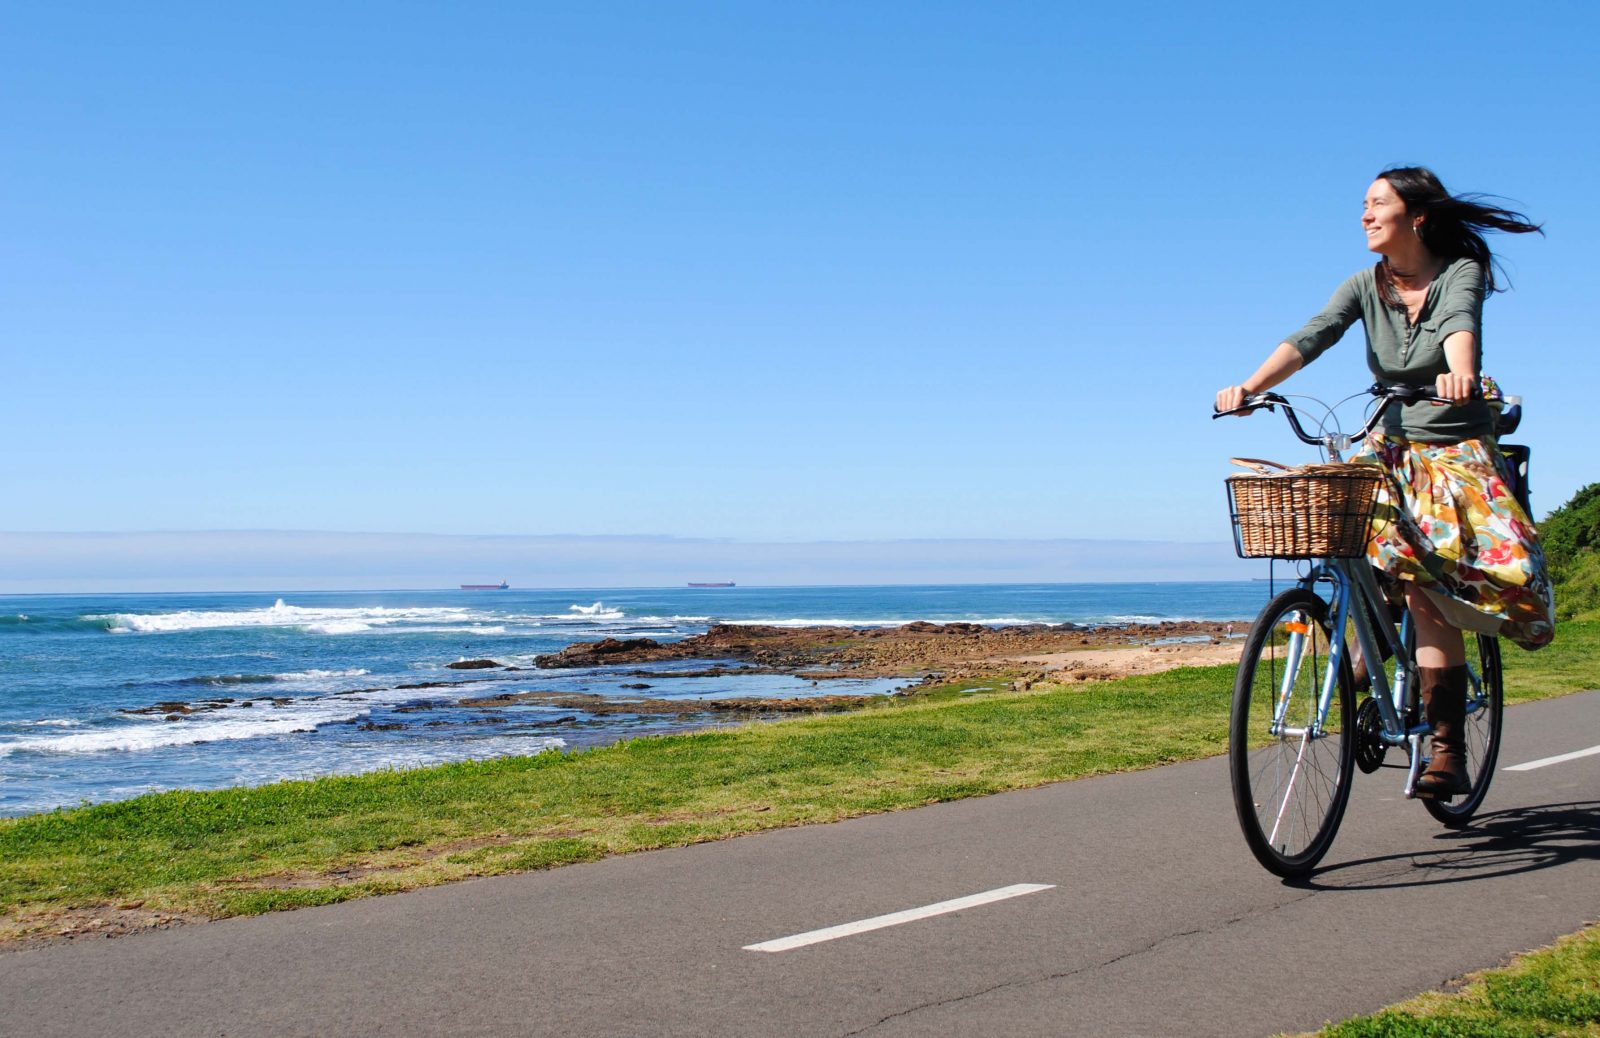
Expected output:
(1416, 228)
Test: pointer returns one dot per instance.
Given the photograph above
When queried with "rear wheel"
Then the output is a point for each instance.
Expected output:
(1291, 775)
(1485, 704)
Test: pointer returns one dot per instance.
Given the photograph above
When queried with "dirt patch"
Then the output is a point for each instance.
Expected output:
(1108, 664)
(60, 925)
(353, 871)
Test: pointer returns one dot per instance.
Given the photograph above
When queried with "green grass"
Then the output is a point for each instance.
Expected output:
(242, 851)
(1578, 596)
(1550, 993)
(1570, 663)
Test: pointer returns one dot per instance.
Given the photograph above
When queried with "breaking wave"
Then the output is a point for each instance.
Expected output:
(314, 620)
(226, 680)
(222, 725)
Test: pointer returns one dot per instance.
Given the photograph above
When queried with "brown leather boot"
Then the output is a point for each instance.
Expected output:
(1444, 698)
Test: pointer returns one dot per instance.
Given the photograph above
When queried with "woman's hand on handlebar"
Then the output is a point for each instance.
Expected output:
(1283, 362)
(1457, 389)
(1230, 399)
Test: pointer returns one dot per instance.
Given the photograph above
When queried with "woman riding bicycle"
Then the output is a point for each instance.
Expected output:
(1466, 551)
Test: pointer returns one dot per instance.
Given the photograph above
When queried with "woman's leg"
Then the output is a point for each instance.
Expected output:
(1442, 667)
(1438, 644)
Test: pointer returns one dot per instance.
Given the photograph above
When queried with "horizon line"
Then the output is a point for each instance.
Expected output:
(717, 539)
(618, 587)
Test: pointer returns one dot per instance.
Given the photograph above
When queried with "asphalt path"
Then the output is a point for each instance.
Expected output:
(1152, 919)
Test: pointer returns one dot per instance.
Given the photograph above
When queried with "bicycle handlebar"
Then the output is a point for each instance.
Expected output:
(1387, 394)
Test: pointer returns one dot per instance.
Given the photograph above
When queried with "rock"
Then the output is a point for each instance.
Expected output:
(471, 665)
(426, 704)
(607, 650)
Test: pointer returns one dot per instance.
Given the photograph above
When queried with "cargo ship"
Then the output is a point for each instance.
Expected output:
(719, 583)
(502, 586)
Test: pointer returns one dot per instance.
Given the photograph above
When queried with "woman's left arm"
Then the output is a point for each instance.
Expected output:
(1460, 317)
(1461, 353)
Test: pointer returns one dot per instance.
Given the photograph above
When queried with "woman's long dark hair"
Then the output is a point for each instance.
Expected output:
(1452, 226)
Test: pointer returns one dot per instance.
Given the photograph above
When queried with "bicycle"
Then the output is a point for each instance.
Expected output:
(1295, 731)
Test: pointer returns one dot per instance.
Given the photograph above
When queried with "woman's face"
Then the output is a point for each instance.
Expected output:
(1384, 218)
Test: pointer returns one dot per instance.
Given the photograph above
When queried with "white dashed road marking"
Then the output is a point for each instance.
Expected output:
(1544, 762)
(833, 933)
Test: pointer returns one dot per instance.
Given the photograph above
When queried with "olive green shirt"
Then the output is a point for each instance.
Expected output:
(1410, 352)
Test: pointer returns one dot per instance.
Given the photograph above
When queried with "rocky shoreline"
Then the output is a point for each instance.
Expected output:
(924, 654)
(953, 650)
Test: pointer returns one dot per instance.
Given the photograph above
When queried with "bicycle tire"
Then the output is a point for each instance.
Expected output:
(1482, 737)
(1290, 792)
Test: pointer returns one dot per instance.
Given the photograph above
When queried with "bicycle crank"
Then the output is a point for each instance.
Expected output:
(1370, 746)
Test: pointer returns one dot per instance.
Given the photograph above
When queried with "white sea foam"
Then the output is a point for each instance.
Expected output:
(49, 722)
(263, 679)
(319, 675)
(135, 736)
(316, 620)
(338, 627)
(597, 611)
(601, 617)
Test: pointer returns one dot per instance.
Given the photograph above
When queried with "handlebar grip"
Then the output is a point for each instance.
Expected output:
(1405, 394)
(1252, 402)
(1215, 414)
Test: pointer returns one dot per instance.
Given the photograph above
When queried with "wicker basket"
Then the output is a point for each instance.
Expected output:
(1310, 512)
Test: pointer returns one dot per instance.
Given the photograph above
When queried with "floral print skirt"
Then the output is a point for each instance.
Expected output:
(1448, 522)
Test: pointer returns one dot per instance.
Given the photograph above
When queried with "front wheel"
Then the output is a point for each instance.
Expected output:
(1485, 702)
(1291, 763)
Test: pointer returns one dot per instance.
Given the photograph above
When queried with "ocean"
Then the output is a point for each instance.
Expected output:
(105, 697)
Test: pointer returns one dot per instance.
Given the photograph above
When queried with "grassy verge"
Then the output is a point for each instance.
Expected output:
(1570, 663)
(242, 851)
(1550, 993)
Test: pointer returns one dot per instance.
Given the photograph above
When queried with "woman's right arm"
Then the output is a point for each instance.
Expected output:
(1283, 362)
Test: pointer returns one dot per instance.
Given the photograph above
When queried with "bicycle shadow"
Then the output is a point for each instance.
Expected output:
(1501, 843)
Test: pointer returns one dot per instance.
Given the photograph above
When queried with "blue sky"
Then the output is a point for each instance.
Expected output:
(764, 272)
